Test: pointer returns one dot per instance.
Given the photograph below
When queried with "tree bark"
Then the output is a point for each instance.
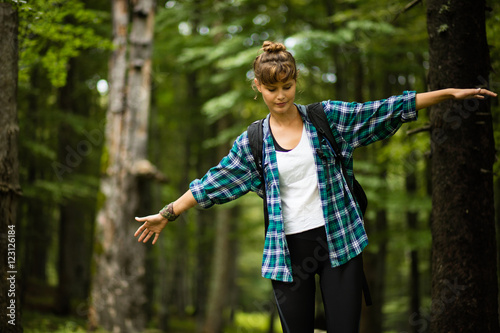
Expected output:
(220, 287)
(375, 263)
(10, 189)
(179, 290)
(224, 255)
(118, 292)
(414, 292)
(375, 271)
(206, 222)
(464, 276)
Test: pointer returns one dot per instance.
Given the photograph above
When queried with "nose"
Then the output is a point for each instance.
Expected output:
(281, 94)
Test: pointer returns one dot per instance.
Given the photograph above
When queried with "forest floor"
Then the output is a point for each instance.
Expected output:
(39, 322)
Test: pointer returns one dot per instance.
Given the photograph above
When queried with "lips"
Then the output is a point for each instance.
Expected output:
(281, 104)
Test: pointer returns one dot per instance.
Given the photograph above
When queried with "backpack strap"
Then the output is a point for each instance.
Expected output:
(317, 115)
(256, 142)
(255, 139)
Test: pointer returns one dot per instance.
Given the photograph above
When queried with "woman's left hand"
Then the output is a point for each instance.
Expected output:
(426, 99)
(152, 226)
(479, 93)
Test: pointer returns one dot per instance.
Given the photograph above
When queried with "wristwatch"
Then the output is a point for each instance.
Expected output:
(168, 212)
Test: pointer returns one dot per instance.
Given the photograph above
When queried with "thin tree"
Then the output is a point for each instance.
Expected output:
(224, 257)
(9, 169)
(464, 275)
(118, 292)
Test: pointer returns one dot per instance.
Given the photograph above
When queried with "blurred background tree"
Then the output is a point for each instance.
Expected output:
(204, 274)
(118, 284)
(10, 191)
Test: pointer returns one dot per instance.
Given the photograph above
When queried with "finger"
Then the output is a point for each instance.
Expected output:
(485, 92)
(148, 236)
(144, 234)
(140, 237)
(140, 229)
(479, 93)
(156, 238)
(141, 219)
(489, 93)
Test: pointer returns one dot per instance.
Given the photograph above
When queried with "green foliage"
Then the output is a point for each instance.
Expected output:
(53, 32)
(492, 30)
(37, 323)
(252, 323)
(221, 105)
(202, 99)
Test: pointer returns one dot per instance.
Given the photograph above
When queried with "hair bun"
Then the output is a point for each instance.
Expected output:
(274, 64)
(272, 47)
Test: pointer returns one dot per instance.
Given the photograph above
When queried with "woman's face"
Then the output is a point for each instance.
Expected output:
(279, 97)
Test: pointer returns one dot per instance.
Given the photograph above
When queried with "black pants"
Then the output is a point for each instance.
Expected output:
(341, 287)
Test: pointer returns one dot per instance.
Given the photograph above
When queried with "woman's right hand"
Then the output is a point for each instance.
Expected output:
(153, 225)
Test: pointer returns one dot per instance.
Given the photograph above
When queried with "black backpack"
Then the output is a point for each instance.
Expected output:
(318, 118)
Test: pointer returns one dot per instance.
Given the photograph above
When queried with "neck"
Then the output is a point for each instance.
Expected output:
(288, 119)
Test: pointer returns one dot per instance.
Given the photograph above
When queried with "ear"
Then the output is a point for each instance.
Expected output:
(257, 84)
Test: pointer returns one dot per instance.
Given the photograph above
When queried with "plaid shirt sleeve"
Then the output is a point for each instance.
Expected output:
(363, 123)
(234, 176)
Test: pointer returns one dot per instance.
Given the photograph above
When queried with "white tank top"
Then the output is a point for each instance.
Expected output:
(300, 201)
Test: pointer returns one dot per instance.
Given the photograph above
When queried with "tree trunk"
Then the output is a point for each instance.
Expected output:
(220, 284)
(464, 276)
(375, 263)
(35, 234)
(224, 255)
(412, 219)
(74, 258)
(75, 214)
(338, 55)
(180, 284)
(10, 189)
(375, 271)
(118, 292)
(206, 222)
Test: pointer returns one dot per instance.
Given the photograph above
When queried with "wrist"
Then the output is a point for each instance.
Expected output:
(451, 93)
(168, 212)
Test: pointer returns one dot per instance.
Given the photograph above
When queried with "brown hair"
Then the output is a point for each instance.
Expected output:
(275, 64)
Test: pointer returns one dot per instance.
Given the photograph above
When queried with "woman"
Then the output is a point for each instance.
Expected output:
(315, 227)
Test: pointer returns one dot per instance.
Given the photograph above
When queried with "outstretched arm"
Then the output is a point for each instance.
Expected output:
(154, 224)
(427, 99)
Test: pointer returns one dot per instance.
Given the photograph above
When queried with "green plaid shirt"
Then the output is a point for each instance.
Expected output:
(354, 125)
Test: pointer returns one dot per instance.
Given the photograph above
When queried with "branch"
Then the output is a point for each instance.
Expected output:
(425, 128)
(6, 188)
(488, 172)
(145, 169)
(407, 8)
